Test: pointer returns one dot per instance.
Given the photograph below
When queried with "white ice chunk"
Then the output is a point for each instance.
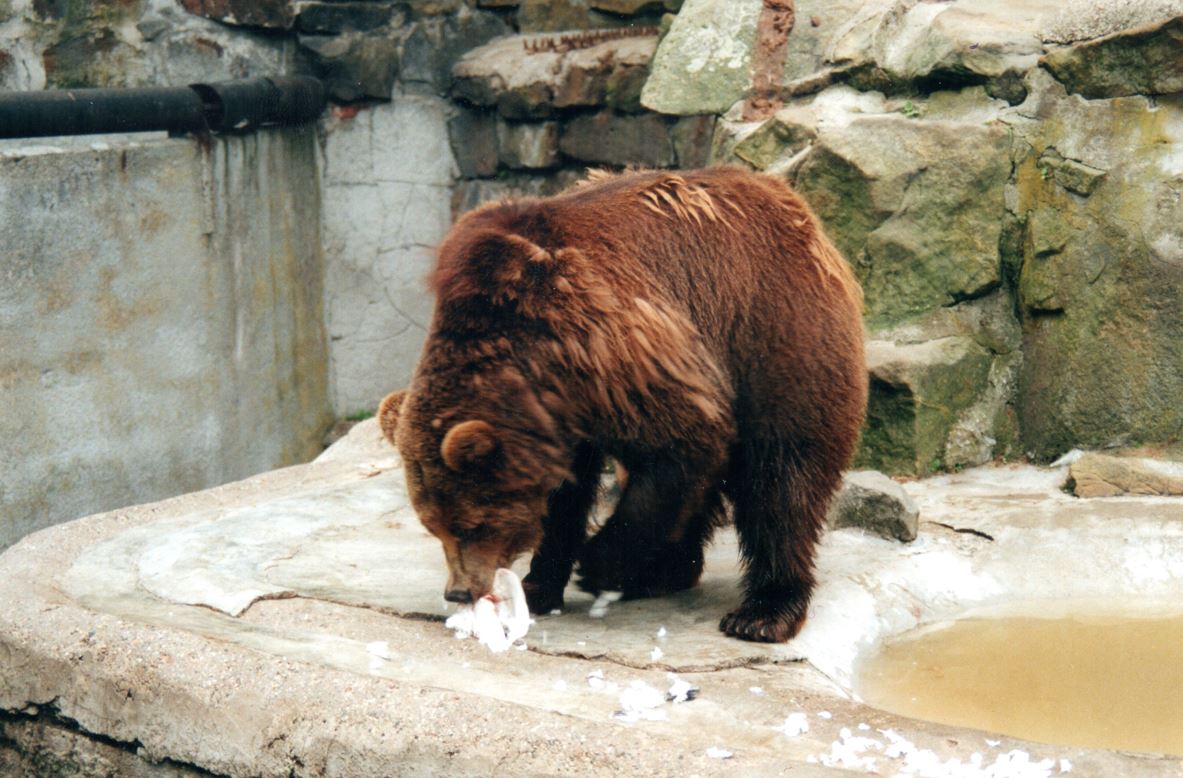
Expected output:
(641, 701)
(499, 620)
(680, 690)
(795, 724)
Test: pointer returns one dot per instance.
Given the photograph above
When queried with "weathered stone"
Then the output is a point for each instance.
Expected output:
(612, 139)
(433, 7)
(354, 66)
(692, 137)
(1072, 175)
(97, 59)
(871, 501)
(473, 135)
(532, 146)
(498, 3)
(1082, 20)
(1098, 475)
(626, 7)
(1144, 60)
(781, 135)
(530, 84)
(249, 13)
(945, 45)
(553, 15)
(915, 205)
(335, 18)
(622, 92)
(532, 101)
(986, 427)
(918, 393)
(703, 64)
(152, 28)
(1099, 277)
(435, 45)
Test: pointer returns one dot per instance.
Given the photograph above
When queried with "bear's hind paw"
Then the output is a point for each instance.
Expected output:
(762, 624)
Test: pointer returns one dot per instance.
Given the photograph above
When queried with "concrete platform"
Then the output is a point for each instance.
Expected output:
(290, 624)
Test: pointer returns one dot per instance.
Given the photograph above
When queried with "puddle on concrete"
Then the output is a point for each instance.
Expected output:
(1098, 681)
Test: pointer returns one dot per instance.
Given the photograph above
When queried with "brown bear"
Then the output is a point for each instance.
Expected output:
(698, 327)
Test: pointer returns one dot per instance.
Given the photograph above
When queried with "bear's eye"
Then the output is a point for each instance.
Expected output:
(472, 534)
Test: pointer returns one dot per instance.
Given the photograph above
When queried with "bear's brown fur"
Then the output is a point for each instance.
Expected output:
(698, 327)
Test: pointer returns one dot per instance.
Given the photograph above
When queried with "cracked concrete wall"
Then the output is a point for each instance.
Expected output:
(161, 319)
(388, 177)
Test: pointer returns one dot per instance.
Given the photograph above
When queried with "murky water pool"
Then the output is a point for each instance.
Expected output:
(1096, 681)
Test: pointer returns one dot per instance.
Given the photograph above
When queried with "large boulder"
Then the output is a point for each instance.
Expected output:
(1142, 61)
(871, 501)
(1098, 256)
(915, 204)
(704, 62)
(525, 81)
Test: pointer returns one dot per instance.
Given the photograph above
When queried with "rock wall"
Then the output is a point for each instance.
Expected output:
(160, 310)
(1005, 178)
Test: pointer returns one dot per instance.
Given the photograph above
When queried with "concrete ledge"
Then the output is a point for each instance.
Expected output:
(358, 677)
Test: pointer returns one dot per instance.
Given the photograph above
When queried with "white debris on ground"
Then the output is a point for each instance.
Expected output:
(595, 679)
(656, 654)
(641, 701)
(824, 714)
(497, 621)
(899, 756)
(680, 691)
(379, 652)
(661, 633)
(795, 724)
(714, 752)
(599, 608)
(756, 690)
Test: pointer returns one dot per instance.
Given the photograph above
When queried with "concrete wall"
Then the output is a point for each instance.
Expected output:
(388, 178)
(161, 325)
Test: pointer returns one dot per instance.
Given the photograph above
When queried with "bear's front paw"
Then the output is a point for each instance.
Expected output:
(764, 622)
(542, 598)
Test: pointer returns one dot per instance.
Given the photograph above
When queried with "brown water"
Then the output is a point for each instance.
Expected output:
(1086, 681)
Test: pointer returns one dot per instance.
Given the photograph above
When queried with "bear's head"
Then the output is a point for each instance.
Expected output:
(479, 473)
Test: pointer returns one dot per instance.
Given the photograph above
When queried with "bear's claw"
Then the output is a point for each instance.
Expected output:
(762, 624)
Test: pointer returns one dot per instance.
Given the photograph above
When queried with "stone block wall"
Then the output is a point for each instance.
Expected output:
(535, 111)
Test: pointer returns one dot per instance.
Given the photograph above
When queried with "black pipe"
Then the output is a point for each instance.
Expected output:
(228, 105)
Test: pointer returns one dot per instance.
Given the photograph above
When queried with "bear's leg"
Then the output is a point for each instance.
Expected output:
(780, 504)
(653, 543)
(564, 530)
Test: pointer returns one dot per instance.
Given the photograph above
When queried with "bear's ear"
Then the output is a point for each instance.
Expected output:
(468, 443)
(388, 411)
